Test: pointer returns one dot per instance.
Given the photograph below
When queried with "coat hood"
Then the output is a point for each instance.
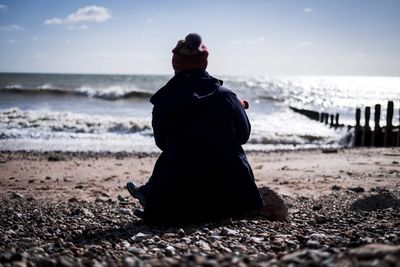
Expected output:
(186, 89)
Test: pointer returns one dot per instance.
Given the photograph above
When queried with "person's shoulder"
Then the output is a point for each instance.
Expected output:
(225, 91)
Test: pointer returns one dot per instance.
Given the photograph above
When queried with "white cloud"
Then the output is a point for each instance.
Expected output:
(308, 10)
(3, 8)
(79, 27)
(11, 28)
(83, 15)
(305, 44)
(55, 21)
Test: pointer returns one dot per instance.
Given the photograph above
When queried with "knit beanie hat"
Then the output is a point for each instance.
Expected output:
(190, 54)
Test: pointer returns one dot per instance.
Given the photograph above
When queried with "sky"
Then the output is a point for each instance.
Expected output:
(253, 37)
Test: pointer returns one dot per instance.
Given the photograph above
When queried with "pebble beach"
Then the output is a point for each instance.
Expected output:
(71, 209)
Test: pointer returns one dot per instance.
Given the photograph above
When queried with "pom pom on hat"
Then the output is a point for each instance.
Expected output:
(193, 41)
(190, 54)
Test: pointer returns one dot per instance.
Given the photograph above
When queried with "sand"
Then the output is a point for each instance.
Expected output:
(310, 174)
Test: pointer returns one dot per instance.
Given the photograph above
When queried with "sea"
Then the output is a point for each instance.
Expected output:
(112, 113)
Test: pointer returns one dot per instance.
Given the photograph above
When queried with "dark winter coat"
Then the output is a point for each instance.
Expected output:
(202, 173)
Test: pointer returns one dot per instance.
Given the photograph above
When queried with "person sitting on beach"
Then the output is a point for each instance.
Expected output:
(202, 173)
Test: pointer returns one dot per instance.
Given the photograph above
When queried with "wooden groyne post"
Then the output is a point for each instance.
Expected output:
(381, 136)
(358, 129)
(388, 135)
(367, 135)
(377, 136)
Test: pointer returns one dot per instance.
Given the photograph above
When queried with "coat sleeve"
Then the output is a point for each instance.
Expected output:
(241, 121)
(159, 128)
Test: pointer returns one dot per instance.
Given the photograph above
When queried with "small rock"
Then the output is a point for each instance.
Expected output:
(54, 158)
(66, 262)
(380, 254)
(275, 208)
(374, 202)
(317, 206)
(30, 199)
(105, 195)
(136, 251)
(103, 199)
(357, 189)
(73, 199)
(170, 251)
(139, 237)
(125, 211)
(320, 219)
(313, 244)
(16, 195)
(130, 262)
(181, 233)
(228, 232)
(203, 245)
(122, 198)
(36, 250)
(48, 178)
(336, 187)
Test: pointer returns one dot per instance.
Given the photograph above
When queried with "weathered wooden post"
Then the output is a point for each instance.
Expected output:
(389, 126)
(337, 120)
(332, 117)
(357, 128)
(398, 131)
(377, 137)
(366, 139)
(315, 115)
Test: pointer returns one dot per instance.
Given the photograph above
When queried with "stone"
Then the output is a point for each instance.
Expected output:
(374, 202)
(228, 232)
(16, 195)
(103, 199)
(139, 237)
(203, 245)
(317, 206)
(275, 208)
(375, 250)
(181, 233)
(336, 188)
(170, 251)
(122, 198)
(357, 189)
(73, 199)
(136, 251)
(313, 244)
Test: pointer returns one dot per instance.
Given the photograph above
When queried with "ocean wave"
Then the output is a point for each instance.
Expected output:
(15, 122)
(107, 93)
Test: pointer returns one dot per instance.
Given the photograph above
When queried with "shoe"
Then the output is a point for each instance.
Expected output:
(135, 192)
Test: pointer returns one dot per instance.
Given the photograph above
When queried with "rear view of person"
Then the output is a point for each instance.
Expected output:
(202, 173)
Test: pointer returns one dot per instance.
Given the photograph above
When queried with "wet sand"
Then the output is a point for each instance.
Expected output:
(297, 173)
